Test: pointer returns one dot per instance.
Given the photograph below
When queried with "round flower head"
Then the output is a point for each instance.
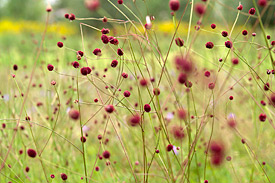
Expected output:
(179, 42)
(252, 11)
(213, 26)
(74, 114)
(60, 44)
(147, 108)
(72, 17)
(262, 117)
(31, 153)
(224, 33)
(114, 63)
(200, 9)
(63, 176)
(106, 154)
(50, 67)
(240, 7)
(174, 5)
(262, 3)
(120, 52)
(228, 44)
(126, 94)
(120, 1)
(92, 5)
(209, 45)
(169, 147)
(97, 52)
(109, 108)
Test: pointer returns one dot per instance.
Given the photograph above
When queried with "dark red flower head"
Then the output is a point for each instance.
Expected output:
(169, 147)
(240, 7)
(105, 31)
(179, 42)
(106, 154)
(72, 17)
(224, 33)
(126, 94)
(50, 67)
(120, 1)
(262, 3)
(60, 44)
(109, 108)
(209, 45)
(31, 153)
(114, 63)
(174, 5)
(74, 114)
(262, 117)
(213, 26)
(63, 176)
(134, 120)
(200, 9)
(85, 70)
(75, 64)
(252, 11)
(228, 44)
(182, 78)
(120, 52)
(97, 52)
(105, 39)
(147, 108)
(244, 32)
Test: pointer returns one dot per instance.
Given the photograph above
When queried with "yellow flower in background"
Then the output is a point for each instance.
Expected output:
(16, 27)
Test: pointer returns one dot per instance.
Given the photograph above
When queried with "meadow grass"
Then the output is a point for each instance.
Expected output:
(213, 126)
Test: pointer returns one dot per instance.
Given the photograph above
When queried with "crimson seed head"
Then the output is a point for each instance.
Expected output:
(224, 33)
(157, 151)
(169, 147)
(120, 1)
(27, 169)
(92, 5)
(253, 34)
(240, 7)
(106, 154)
(99, 137)
(74, 114)
(134, 120)
(228, 158)
(200, 9)
(235, 61)
(97, 168)
(113, 40)
(228, 44)
(213, 26)
(53, 82)
(15, 67)
(119, 52)
(205, 181)
(75, 64)
(174, 5)
(63, 176)
(143, 82)
(179, 42)
(244, 32)
(31, 153)
(109, 108)
(272, 43)
(182, 78)
(72, 17)
(85, 70)
(156, 91)
(83, 139)
(252, 11)
(126, 94)
(178, 132)
(262, 117)
(104, 19)
(211, 86)
(60, 44)
(216, 148)
(52, 176)
(147, 108)
(81, 53)
(50, 67)
(243, 141)
(182, 114)
(268, 37)
(124, 75)
(266, 87)
(105, 31)
(97, 52)
(262, 2)
(209, 45)
(67, 15)
(114, 63)
(231, 98)
(105, 39)
(207, 74)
